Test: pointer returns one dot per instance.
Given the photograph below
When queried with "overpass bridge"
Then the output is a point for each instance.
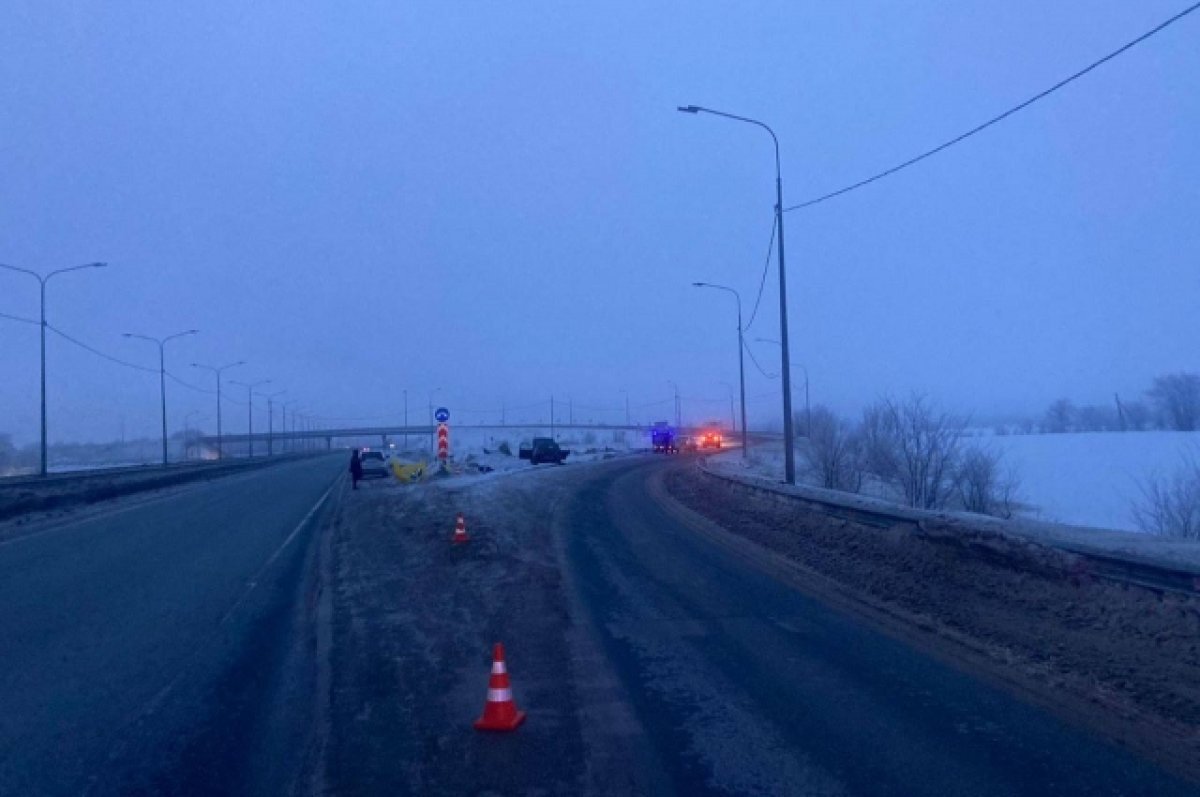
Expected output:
(386, 434)
(389, 433)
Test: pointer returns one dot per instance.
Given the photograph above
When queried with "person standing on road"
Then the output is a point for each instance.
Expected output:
(355, 467)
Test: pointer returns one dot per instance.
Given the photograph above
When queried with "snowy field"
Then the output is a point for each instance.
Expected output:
(1086, 479)
(1090, 478)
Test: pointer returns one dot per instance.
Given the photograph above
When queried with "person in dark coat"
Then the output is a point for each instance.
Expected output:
(355, 468)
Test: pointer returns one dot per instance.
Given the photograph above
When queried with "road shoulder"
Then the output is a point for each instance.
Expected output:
(1053, 659)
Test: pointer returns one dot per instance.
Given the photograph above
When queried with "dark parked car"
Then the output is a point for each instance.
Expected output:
(543, 449)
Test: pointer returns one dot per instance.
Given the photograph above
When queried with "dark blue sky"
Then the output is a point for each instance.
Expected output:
(500, 200)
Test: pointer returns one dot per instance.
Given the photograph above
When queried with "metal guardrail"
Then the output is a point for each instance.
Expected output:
(1157, 576)
(148, 469)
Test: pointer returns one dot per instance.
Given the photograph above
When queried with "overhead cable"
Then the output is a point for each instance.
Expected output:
(999, 118)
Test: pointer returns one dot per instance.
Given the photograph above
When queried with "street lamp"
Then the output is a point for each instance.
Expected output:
(789, 450)
(732, 416)
(250, 410)
(741, 354)
(187, 432)
(42, 280)
(270, 397)
(807, 407)
(217, 370)
(627, 421)
(678, 413)
(162, 376)
(431, 426)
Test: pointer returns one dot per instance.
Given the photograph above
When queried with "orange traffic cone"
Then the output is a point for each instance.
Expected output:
(460, 531)
(499, 712)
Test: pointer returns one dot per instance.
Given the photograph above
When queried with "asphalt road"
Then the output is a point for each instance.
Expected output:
(159, 645)
(741, 684)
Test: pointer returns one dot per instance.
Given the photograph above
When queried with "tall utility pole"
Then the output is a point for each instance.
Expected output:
(271, 420)
(250, 410)
(678, 409)
(552, 416)
(406, 419)
(741, 355)
(789, 442)
(627, 422)
(42, 280)
(217, 370)
(162, 376)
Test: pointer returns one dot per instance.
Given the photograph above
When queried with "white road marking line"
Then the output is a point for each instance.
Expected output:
(253, 582)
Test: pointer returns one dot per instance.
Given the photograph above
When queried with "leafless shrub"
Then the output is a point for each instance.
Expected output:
(832, 452)
(914, 446)
(1170, 505)
(982, 485)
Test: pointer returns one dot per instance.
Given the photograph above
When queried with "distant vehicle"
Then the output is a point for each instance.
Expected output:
(664, 439)
(689, 443)
(374, 465)
(711, 439)
(543, 449)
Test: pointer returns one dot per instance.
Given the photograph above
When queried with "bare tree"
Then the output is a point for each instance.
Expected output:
(1170, 506)
(983, 486)
(1177, 399)
(914, 446)
(832, 452)
(1137, 415)
(1060, 417)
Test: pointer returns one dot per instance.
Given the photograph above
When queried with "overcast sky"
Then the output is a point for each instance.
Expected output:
(500, 200)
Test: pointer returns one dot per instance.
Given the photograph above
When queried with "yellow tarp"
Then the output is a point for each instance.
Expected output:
(408, 472)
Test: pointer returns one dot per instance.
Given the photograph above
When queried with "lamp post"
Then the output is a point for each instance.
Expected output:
(732, 416)
(217, 370)
(807, 406)
(187, 428)
(789, 445)
(627, 421)
(250, 411)
(432, 430)
(406, 419)
(42, 280)
(741, 354)
(162, 375)
(678, 411)
(270, 397)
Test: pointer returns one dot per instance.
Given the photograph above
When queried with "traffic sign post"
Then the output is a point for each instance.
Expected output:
(443, 442)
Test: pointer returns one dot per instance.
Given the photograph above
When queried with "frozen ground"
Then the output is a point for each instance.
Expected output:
(483, 447)
(1085, 479)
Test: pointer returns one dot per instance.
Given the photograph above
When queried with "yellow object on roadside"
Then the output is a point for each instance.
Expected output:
(408, 472)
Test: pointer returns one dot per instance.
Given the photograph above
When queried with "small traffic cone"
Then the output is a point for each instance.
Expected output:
(460, 531)
(499, 712)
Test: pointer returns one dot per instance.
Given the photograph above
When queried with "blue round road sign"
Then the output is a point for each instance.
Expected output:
(441, 414)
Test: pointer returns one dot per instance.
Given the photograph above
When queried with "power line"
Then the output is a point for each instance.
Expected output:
(999, 118)
(756, 365)
(99, 353)
(766, 267)
(19, 318)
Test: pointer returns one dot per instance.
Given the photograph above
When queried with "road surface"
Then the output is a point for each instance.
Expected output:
(650, 660)
(187, 643)
(152, 645)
